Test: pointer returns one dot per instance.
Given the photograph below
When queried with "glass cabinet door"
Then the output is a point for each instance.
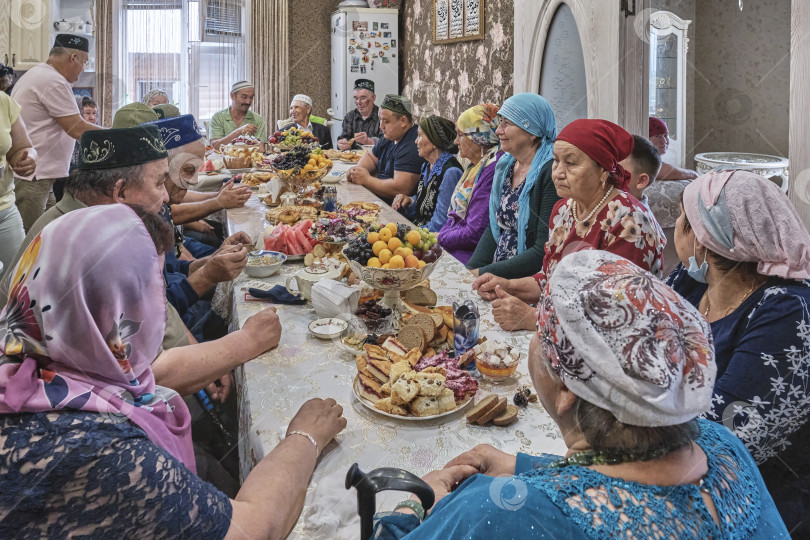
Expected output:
(668, 45)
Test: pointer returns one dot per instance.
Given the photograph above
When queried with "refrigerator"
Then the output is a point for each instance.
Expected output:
(365, 45)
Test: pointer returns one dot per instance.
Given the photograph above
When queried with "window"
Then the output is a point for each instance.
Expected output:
(192, 49)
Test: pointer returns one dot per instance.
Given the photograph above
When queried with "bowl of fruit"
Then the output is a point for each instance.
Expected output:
(393, 258)
(290, 138)
(301, 166)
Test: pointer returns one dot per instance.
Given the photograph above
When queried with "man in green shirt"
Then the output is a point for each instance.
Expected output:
(238, 119)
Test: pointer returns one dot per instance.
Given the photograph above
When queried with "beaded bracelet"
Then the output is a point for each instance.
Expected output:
(308, 436)
(413, 505)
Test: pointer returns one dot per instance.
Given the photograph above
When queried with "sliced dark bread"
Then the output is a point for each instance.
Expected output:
(421, 296)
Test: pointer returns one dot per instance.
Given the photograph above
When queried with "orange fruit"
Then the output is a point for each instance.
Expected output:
(411, 261)
(373, 238)
(397, 262)
(378, 246)
(413, 237)
(421, 264)
(406, 251)
(385, 234)
(374, 262)
(384, 255)
(391, 227)
(394, 244)
(401, 251)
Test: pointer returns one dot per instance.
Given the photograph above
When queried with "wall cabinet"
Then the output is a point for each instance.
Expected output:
(24, 33)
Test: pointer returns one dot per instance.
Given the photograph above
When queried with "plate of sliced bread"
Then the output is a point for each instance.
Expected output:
(398, 382)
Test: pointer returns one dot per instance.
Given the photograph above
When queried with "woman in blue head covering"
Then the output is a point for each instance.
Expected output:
(523, 193)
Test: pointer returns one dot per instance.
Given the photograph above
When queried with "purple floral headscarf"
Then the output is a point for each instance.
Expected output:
(83, 323)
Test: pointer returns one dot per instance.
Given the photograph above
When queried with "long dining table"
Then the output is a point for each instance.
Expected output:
(274, 385)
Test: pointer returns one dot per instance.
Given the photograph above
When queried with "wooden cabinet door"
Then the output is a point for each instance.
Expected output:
(29, 33)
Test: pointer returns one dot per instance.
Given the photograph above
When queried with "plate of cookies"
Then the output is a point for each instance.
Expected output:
(401, 383)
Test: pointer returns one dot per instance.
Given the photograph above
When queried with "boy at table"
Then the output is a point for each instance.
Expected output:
(393, 165)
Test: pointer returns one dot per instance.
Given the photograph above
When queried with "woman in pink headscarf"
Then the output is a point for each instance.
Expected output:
(746, 264)
(89, 444)
(659, 136)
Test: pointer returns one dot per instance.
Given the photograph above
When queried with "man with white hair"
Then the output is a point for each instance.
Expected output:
(238, 119)
(300, 109)
(53, 120)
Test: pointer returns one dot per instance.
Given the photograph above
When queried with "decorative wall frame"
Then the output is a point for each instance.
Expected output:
(457, 20)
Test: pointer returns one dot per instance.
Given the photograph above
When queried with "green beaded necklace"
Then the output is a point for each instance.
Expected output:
(591, 457)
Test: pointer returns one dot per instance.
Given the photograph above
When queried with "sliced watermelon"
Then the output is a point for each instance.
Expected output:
(209, 166)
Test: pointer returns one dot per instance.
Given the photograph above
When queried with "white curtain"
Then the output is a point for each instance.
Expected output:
(192, 49)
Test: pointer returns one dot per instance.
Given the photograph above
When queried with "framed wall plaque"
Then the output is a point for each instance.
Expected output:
(457, 20)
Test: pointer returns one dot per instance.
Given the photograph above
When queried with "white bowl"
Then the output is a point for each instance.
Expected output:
(367, 147)
(329, 328)
(264, 270)
(333, 177)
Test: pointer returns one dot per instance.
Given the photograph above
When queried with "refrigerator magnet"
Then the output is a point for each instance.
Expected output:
(352, 41)
(393, 43)
(377, 44)
(382, 53)
(362, 35)
(374, 25)
(355, 60)
(365, 59)
(386, 34)
(384, 26)
(385, 60)
(351, 49)
(385, 46)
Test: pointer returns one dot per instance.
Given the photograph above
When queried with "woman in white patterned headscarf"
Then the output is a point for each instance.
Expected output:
(623, 365)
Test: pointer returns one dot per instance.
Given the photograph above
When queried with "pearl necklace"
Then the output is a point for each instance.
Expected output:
(595, 208)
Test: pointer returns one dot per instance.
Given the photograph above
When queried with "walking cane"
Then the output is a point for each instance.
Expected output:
(383, 479)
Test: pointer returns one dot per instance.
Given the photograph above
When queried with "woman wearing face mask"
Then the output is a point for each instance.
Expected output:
(747, 258)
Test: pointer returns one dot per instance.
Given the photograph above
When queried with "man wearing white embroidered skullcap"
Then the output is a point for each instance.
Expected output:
(238, 120)
(300, 109)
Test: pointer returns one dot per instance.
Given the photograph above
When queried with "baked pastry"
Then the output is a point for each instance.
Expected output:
(430, 384)
(288, 216)
(404, 390)
(425, 406)
(369, 388)
(387, 406)
(381, 369)
(447, 401)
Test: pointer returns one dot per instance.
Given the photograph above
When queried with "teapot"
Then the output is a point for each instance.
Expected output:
(306, 277)
(77, 26)
(62, 26)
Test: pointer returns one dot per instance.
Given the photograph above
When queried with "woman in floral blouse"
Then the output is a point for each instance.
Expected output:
(595, 213)
(748, 257)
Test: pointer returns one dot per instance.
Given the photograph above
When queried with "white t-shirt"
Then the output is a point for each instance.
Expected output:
(44, 94)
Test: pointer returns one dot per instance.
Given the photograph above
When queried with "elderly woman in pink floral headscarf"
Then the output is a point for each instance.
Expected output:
(89, 444)
(745, 257)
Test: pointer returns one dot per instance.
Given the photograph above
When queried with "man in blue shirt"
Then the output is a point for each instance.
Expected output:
(393, 165)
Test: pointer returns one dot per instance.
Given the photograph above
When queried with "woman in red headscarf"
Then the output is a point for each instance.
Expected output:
(595, 213)
(659, 136)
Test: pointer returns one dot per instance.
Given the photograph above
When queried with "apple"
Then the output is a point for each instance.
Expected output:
(419, 253)
(429, 257)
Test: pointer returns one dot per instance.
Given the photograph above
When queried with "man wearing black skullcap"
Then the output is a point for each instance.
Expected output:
(52, 117)
(393, 165)
(363, 123)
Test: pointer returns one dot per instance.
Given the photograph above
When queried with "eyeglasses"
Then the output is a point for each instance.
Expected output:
(85, 63)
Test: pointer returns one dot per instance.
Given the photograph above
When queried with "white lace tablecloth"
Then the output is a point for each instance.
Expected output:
(273, 386)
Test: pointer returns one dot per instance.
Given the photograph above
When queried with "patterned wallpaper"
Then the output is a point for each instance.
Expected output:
(742, 77)
(310, 51)
(447, 79)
